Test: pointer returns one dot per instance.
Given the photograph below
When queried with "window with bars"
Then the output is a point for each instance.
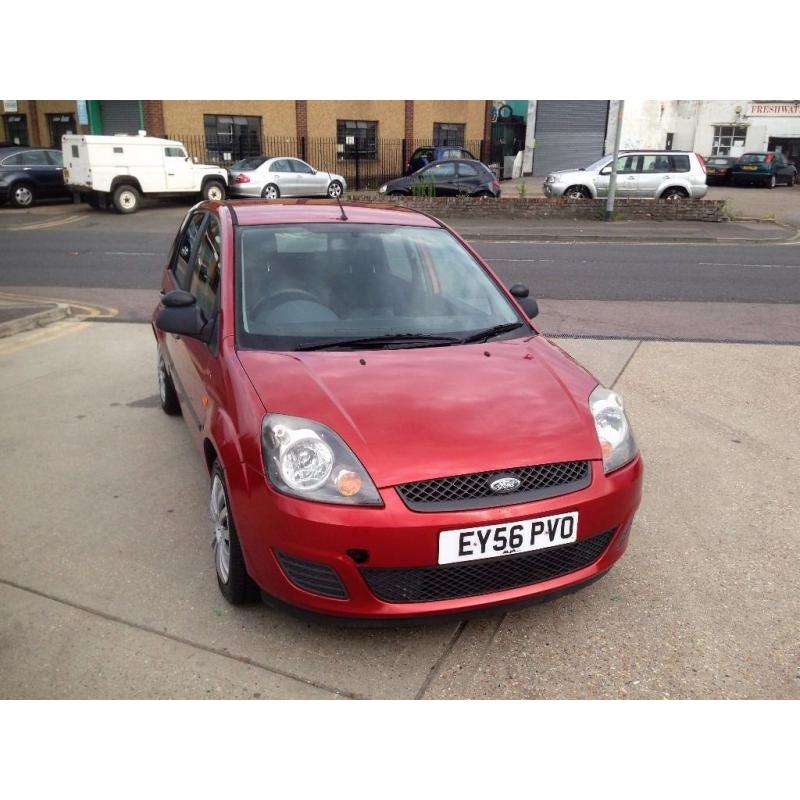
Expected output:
(448, 134)
(727, 137)
(229, 138)
(16, 129)
(356, 138)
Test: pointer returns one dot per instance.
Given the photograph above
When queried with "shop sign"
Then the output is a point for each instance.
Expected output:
(774, 109)
(10, 106)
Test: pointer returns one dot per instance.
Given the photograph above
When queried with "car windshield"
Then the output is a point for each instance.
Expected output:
(753, 158)
(254, 162)
(302, 284)
(717, 162)
(599, 164)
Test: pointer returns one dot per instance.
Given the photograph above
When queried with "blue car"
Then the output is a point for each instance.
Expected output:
(28, 174)
(425, 155)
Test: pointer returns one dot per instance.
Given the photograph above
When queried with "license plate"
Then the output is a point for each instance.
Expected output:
(521, 536)
(750, 169)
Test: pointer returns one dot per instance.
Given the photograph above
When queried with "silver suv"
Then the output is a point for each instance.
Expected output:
(660, 174)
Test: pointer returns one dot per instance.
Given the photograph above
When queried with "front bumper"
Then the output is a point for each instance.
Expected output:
(554, 189)
(279, 532)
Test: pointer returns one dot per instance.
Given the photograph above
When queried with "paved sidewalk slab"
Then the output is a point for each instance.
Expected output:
(704, 603)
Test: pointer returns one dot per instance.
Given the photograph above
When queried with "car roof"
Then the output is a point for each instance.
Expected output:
(281, 212)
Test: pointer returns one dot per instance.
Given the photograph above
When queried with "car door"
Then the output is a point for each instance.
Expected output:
(179, 170)
(177, 275)
(195, 360)
(310, 183)
(443, 177)
(46, 177)
(56, 160)
(627, 166)
(469, 180)
(284, 177)
(654, 171)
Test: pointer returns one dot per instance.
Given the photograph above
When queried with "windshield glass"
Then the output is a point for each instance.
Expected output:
(754, 158)
(599, 164)
(249, 163)
(305, 283)
(717, 162)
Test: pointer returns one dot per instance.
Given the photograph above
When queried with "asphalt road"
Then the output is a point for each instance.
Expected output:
(119, 260)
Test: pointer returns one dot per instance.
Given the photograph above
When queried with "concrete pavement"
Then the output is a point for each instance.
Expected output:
(108, 589)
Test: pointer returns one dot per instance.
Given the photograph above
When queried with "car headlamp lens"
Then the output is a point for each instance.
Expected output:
(613, 429)
(307, 459)
(382, 190)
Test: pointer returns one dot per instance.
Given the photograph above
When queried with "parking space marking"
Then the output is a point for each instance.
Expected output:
(53, 223)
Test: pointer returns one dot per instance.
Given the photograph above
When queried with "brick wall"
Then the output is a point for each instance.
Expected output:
(153, 111)
(301, 118)
(557, 208)
(409, 129)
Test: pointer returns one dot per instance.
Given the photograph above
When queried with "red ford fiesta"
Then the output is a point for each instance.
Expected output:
(387, 434)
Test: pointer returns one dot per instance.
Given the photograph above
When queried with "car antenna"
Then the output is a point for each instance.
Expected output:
(343, 218)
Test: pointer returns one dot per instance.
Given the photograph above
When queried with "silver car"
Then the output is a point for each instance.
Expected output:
(260, 176)
(659, 174)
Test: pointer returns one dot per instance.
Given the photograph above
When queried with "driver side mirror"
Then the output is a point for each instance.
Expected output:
(180, 315)
(529, 305)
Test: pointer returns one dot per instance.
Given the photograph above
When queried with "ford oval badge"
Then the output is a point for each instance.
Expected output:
(506, 484)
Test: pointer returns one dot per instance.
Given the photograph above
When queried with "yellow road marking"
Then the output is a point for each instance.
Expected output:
(53, 223)
(43, 336)
(91, 311)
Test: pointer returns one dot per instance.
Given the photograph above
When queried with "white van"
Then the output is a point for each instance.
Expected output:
(118, 170)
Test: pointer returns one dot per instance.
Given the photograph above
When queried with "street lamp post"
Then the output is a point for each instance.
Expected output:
(612, 184)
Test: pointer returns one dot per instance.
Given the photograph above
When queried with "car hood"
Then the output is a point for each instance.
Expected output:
(564, 173)
(420, 413)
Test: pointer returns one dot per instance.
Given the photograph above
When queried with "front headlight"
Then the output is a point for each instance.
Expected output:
(382, 190)
(550, 179)
(613, 429)
(307, 459)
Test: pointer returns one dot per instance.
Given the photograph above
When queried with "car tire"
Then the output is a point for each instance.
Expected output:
(236, 585)
(270, 192)
(126, 199)
(791, 181)
(22, 195)
(166, 391)
(395, 194)
(674, 193)
(335, 189)
(577, 193)
(213, 191)
(772, 182)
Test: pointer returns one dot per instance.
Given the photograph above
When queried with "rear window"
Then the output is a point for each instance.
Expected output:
(249, 163)
(717, 162)
(754, 158)
(679, 163)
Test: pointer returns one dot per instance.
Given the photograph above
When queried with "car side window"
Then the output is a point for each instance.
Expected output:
(467, 171)
(13, 161)
(55, 157)
(281, 165)
(185, 246)
(679, 163)
(627, 164)
(440, 172)
(651, 164)
(34, 158)
(174, 152)
(205, 274)
(301, 167)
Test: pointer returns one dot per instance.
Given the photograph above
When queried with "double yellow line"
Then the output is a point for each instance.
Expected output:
(52, 223)
(55, 330)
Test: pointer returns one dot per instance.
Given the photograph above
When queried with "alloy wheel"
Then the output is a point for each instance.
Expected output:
(220, 521)
(335, 189)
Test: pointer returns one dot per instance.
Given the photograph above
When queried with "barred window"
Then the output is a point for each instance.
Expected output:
(448, 134)
(229, 138)
(356, 138)
(727, 137)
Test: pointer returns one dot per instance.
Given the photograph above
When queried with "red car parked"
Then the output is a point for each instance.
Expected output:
(386, 433)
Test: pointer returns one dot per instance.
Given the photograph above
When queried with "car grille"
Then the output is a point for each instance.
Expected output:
(449, 581)
(312, 576)
(463, 492)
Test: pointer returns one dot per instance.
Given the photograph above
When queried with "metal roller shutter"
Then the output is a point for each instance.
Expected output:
(120, 116)
(569, 134)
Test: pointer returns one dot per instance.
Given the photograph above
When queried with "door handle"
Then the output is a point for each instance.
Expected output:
(171, 173)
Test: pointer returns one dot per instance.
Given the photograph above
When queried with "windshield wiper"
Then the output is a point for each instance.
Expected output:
(495, 330)
(427, 339)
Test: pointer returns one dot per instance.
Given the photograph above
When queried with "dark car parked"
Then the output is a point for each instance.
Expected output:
(28, 174)
(447, 179)
(718, 169)
(766, 169)
(425, 155)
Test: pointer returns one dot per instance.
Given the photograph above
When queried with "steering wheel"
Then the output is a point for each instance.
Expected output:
(270, 301)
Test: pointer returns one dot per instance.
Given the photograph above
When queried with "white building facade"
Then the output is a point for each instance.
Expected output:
(708, 127)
